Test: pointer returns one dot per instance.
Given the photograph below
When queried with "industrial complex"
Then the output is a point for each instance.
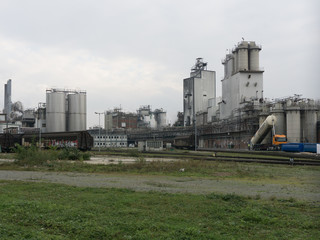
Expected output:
(208, 121)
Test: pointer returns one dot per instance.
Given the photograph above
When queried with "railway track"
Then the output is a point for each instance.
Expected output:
(255, 157)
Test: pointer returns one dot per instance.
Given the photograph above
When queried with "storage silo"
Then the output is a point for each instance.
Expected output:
(278, 112)
(254, 57)
(293, 124)
(56, 111)
(162, 119)
(77, 111)
(243, 56)
(230, 66)
(309, 122)
(235, 62)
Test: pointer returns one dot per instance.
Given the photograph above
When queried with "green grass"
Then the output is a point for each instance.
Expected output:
(52, 211)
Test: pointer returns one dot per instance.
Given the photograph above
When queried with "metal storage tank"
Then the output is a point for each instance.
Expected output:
(243, 59)
(77, 112)
(293, 124)
(56, 111)
(243, 56)
(254, 58)
(278, 112)
(162, 119)
(235, 62)
(309, 123)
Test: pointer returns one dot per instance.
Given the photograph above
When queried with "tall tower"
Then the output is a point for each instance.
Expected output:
(243, 78)
(198, 89)
(7, 99)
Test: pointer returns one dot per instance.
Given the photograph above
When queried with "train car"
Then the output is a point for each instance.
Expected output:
(8, 141)
(78, 139)
(184, 142)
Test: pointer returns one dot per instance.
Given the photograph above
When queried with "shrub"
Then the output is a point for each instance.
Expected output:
(73, 154)
(32, 155)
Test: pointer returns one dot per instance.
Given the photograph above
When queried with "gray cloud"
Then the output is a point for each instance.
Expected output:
(137, 52)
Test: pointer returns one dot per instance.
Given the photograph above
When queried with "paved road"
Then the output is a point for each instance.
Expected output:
(170, 184)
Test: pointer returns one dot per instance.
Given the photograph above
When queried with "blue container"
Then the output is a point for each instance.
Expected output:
(292, 147)
(310, 147)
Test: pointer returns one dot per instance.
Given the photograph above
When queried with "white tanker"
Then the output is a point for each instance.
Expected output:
(262, 132)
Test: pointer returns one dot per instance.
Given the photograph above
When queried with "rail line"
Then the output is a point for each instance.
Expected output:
(276, 158)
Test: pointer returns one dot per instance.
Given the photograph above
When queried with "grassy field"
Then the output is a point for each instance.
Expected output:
(51, 211)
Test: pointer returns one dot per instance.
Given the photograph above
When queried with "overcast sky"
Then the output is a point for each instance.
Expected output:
(137, 52)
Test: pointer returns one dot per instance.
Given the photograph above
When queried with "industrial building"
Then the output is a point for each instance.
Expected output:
(243, 78)
(108, 139)
(230, 121)
(151, 119)
(199, 91)
(118, 119)
(243, 108)
(144, 118)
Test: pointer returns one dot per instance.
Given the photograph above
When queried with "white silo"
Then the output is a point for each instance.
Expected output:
(254, 57)
(293, 123)
(309, 122)
(77, 111)
(162, 119)
(56, 111)
(278, 112)
(243, 56)
(235, 62)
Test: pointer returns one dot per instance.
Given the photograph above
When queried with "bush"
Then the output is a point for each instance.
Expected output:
(31, 156)
(73, 154)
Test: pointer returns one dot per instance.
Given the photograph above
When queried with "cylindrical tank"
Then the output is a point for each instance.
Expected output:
(254, 59)
(309, 123)
(235, 62)
(230, 67)
(243, 59)
(279, 113)
(56, 111)
(77, 109)
(162, 119)
(293, 124)
(264, 129)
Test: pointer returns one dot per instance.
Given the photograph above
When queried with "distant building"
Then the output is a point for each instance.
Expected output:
(151, 119)
(243, 78)
(199, 90)
(117, 119)
(180, 120)
(108, 139)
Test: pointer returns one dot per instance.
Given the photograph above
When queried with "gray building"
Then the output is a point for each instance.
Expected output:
(108, 139)
(243, 78)
(199, 91)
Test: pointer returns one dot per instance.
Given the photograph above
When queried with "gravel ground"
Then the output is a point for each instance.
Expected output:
(309, 193)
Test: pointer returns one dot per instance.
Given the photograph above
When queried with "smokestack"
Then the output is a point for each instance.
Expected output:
(7, 99)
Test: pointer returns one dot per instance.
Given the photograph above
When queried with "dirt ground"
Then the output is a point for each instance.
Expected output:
(170, 184)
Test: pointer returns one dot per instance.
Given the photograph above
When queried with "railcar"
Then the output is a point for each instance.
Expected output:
(81, 140)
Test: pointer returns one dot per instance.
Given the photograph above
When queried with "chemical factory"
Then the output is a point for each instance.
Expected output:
(241, 118)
